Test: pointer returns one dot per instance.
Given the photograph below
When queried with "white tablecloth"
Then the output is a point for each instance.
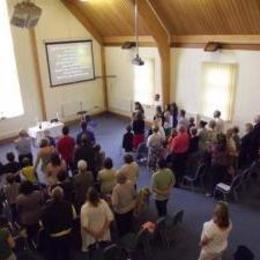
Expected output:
(37, 133)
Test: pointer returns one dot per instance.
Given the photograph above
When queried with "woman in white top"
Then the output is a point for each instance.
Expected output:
(107, 177)
(214, 237)
(155, 146)
(96, 218)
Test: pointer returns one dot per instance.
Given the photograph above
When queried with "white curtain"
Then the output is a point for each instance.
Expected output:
(10, 95)
(218, 89)
(144, 82)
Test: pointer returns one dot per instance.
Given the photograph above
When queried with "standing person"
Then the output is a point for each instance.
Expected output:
(138, 108)
(57, 219)
(28, 171)
(107, 177)
(11, 190)
(157, 100)
(28, 206)
(155, 146)
(215, 233)
(130, 169)
(55, 166)
(138, 128)
(128, 137)
(82, 182)
(85, 152)
(219, 122)
(23, 146)
(48, 136)
(66, 146)
(44, 155)
(246, 147)
(7, 242)
(174, 112)
(162, 182)
(194, 141)
(179, 148)
(256, 138)
(167, 121)
(86, 132)
(123, 202)
(12, 165)
(95, 217)
(219, 162)
(183, 121)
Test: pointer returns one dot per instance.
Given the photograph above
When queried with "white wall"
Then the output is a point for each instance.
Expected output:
(120, 88)
(64, 26)
(56, 23)
(186, 72)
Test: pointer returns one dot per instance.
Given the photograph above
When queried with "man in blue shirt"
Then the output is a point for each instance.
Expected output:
(84, 131)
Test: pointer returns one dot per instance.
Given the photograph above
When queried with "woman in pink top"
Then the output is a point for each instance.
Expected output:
(214, 237)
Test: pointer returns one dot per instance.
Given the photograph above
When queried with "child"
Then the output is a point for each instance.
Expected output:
(7, 242)
(128, 139)
(11, 191)
(28, 171)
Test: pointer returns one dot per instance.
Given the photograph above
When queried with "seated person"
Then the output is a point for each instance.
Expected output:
(27, 171)
(128, 140)
(12, 166)
(85, 131)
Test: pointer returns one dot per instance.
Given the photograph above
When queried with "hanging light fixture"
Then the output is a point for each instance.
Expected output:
(137, 59)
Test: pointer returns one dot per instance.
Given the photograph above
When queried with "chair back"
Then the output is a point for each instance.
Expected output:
(236, 182)
(178, 217)
(112, 252)
(200, 170)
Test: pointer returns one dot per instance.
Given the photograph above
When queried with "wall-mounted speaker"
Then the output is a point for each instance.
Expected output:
(26, 14)
(212, 46)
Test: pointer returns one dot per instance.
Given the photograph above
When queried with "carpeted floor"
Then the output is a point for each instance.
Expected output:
(245, 213)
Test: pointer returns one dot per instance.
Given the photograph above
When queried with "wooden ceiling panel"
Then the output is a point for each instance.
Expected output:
(112, 17)
(210, 16)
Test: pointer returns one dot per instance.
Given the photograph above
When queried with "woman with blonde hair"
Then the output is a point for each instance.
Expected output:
(214, 237)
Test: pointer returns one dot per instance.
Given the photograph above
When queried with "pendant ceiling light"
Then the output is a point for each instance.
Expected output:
(137, 60)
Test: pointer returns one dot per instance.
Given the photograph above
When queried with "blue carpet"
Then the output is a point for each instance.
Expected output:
(245, 214)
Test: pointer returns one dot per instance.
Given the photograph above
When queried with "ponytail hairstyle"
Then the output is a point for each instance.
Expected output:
(221, 215)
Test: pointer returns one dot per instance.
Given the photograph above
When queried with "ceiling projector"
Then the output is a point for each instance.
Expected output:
(26, 14)
(137, 61)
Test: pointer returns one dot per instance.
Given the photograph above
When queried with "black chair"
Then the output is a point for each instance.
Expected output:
(131, 242)
(112, 252)
(142, 154)
(198, 177)
(171, 224)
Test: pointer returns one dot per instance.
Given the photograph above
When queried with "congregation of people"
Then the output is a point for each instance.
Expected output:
(72, 179)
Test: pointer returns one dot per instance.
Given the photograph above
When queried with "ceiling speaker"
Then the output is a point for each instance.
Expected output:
(26, 14)
(128, 45)
(212, 46)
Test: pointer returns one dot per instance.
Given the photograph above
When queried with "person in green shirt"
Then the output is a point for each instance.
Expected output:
(162, 182)
(7, 242)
